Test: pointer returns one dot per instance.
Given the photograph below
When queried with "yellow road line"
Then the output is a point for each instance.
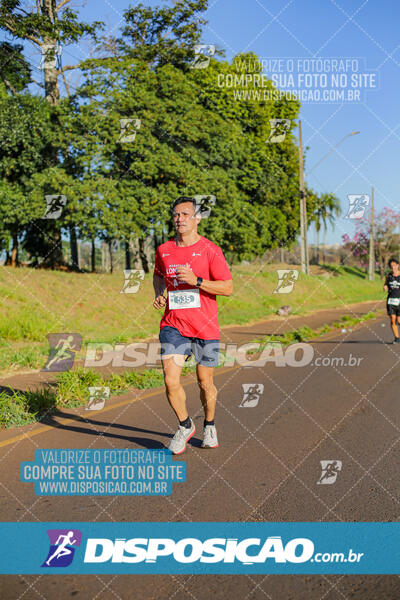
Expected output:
(22, 436)
(17, 438)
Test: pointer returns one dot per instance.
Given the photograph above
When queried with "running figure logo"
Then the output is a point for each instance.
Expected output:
(129, 128)
(357, 205)
(133, 277)
(62, 547)
(63, 347)
(98, 397)
(329, 471)
(279, 129)
(286, 280)
(203, 205)
(54, 206)
(251, 394)
(202, 55)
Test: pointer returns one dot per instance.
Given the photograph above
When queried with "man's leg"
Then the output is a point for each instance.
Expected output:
(393, 323)
(174, 348)
(172, 367)
(208, 397)
(208, 391)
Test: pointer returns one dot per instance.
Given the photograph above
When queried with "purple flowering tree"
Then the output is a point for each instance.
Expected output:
(387, 241)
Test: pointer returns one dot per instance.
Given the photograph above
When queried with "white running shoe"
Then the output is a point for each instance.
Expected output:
(210, 439)
(181, 438)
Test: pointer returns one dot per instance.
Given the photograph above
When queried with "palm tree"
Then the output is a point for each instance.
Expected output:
(327, 209)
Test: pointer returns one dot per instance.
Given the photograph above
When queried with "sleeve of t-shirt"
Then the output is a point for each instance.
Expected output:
(158, 267)
(219, 270)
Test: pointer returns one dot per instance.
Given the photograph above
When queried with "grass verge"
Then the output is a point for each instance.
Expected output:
(71, 389)
(304, 334)
(35, 302)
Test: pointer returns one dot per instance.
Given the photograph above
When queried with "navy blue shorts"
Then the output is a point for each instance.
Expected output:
(205, 351)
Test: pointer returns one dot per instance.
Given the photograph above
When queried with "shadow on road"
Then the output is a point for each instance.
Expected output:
(92, 426)
(145, 442)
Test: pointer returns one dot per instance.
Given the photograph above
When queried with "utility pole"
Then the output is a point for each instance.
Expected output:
(303, 209)
(371, 269)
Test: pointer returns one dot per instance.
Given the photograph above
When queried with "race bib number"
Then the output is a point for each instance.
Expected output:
(184, 299)
(394, 301)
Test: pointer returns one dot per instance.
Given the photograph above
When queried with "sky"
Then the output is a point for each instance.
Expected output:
(363, 34)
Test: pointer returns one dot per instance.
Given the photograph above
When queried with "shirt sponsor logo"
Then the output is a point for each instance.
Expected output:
(171, 269)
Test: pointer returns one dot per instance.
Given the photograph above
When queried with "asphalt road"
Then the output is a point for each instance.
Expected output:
(266, 468)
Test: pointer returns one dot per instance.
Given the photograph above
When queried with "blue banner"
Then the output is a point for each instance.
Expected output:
(200, 548)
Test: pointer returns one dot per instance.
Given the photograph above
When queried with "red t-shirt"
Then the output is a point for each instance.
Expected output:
(207, 261)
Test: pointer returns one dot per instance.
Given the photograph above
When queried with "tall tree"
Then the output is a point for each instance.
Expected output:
(28, 139)
(162, 35)
(324, 210)
(192, 140)
(49, 26)
(265, 174)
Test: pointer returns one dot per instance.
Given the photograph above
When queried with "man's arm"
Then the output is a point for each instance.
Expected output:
(159, 288)
(219, 287)
(386, 287)
(158, 285)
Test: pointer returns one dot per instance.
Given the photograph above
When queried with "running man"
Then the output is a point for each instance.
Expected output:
(194, 271)
(63, 351)
(392, 286)
(62, 549)
(331, 470)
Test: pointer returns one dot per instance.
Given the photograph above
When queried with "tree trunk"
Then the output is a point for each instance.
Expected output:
(79, 254)
(127, 255)
(49, 12)
(56, 257)
(51, 86)
(14, 252)
(142, 256)
(106, 258)
(74, 248)
(93, 257)
(381, 262)
(111, 256)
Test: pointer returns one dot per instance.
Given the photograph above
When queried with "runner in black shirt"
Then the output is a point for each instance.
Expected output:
(392, 286)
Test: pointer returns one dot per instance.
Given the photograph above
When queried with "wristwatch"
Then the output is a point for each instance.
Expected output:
(199, 281)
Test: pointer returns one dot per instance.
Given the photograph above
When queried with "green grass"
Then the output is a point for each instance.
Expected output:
(71, 389)
(21, 408)
(14, 356)
(36, 302)
(304, 334)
